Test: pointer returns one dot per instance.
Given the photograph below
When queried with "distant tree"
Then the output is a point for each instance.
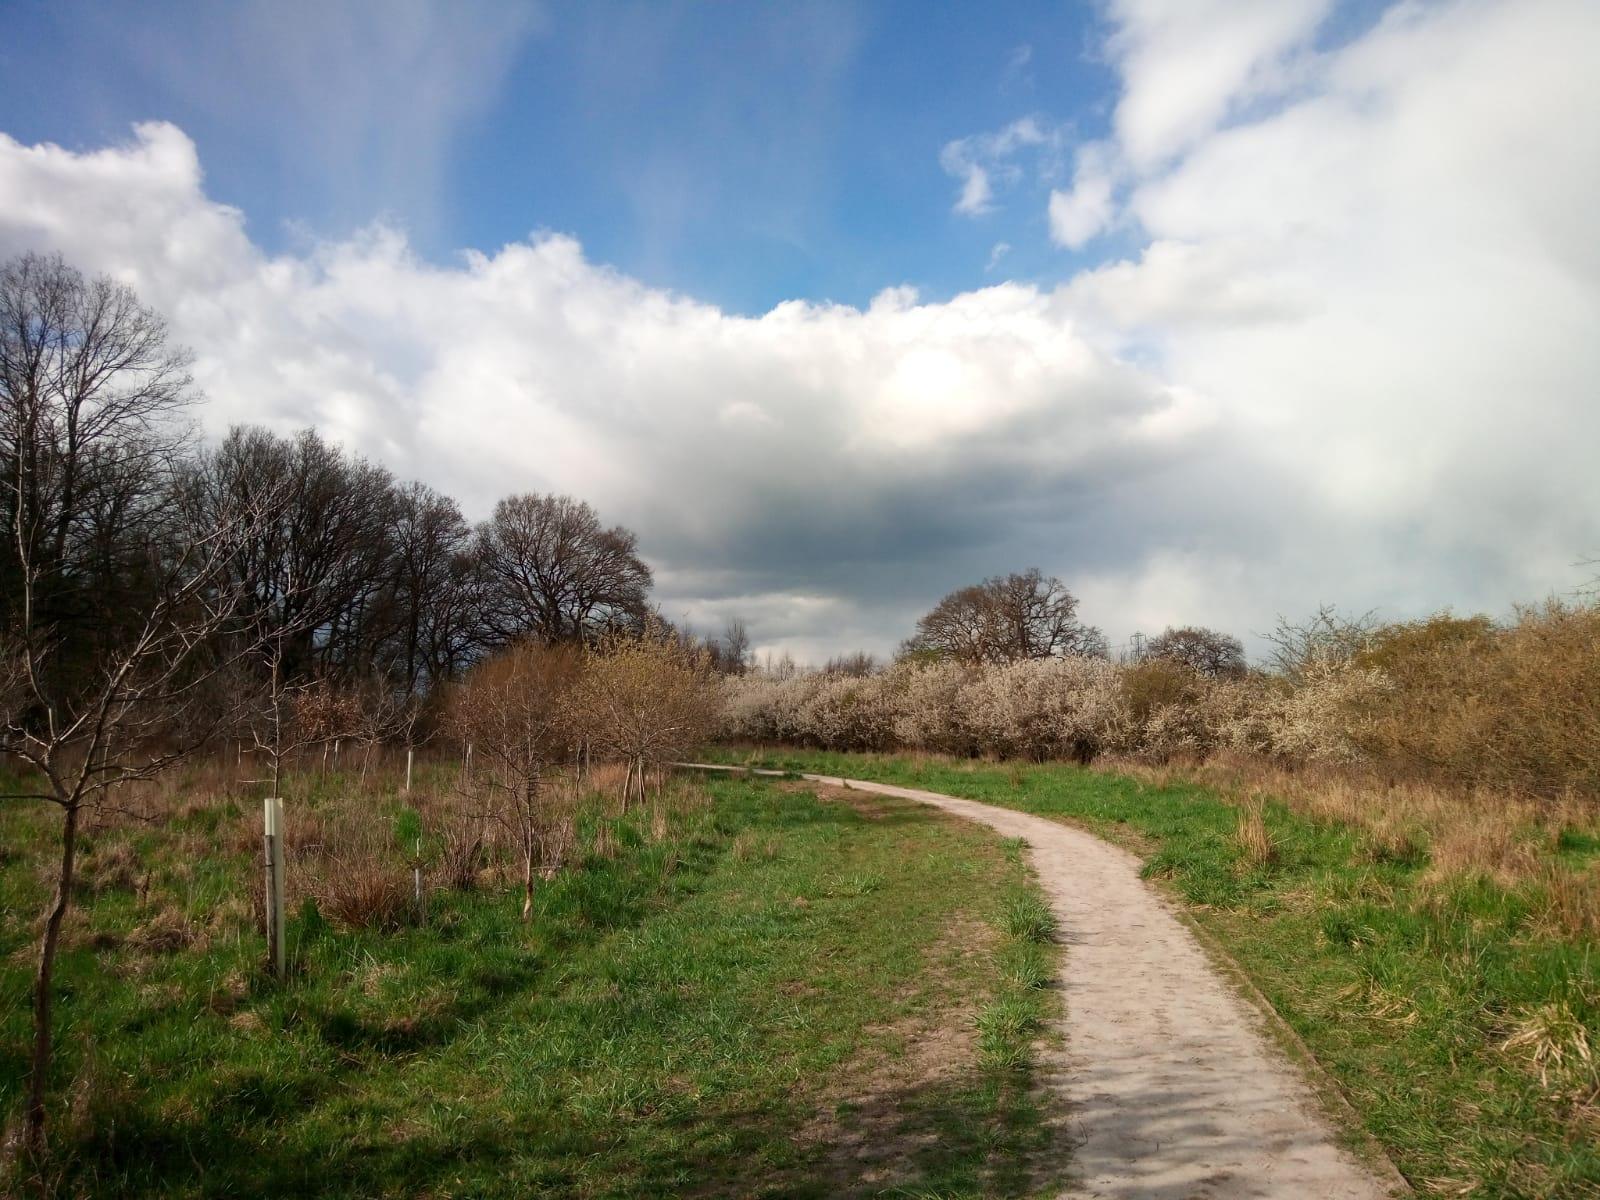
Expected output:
(553, 572)
(857, 664)
(730, 654)
(91, 393)
(1207, 652)
(436, 601)
(1006, 618)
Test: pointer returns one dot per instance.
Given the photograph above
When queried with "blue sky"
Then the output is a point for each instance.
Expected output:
(747, 154)
(1217, 309)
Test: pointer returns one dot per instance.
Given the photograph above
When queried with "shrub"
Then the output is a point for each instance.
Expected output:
(1457, 701)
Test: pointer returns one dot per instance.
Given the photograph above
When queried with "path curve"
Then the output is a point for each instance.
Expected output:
(1175, 1091)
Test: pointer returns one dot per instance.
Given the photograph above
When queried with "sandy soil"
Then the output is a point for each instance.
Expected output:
(1174, 1088)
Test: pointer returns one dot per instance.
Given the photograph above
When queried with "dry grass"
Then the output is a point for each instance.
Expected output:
(1556, 1045)
(1508, 838)
(361, 892)
(1255, 840)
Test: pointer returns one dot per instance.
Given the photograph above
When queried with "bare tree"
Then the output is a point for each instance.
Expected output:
(517, 711)
(116, 616)
(380, 711)
(130, 717)
(90, 396)
(555, 573)
(730, 653)
(322, 574)
(1006, 618)
(1206, 652)
(1326, 636)
(435, 614)
(647, 702)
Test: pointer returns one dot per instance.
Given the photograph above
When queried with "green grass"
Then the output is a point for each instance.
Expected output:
(1430, 1001)
(672, 1022)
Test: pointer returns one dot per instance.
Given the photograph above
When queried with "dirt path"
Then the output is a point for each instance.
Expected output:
(1175, 1090)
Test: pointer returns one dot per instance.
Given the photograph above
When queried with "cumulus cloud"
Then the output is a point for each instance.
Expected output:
(1349, 355)
(1385, 272)
(777, 464)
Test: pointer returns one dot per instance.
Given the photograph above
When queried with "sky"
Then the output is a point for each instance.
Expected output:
(1219, 310)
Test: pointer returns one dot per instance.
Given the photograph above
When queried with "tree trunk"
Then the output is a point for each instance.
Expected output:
(43, 980)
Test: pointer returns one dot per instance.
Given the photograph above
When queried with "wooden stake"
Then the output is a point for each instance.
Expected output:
(408, 768)
(272, 820)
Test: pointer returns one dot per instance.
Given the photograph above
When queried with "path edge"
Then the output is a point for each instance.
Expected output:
(1324, 1086)
(1327, 1089)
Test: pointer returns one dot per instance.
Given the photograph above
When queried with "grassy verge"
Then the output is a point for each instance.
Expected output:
(720, 999)
(1459, 1014)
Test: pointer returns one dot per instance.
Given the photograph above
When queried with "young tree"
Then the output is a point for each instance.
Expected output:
(518, 712)
(116, 615)
(128, 717)
(647, 702)
(1006, 618)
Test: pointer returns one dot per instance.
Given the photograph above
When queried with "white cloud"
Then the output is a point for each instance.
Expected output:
(1086, 210)
(983, 159)
(1389, 273)
(1185, 63)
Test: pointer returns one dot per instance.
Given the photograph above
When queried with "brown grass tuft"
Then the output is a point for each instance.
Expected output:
(1555, 1043)
(1255, 839)
(363, 894)
(168, 930)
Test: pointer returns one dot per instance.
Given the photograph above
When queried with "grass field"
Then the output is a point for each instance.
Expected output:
(748, 991)
(1458, 1014)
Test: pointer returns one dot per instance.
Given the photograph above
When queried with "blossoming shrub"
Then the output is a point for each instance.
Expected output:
(1453, 700)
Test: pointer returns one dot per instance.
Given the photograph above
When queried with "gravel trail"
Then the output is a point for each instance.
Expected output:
(1175, 1089)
